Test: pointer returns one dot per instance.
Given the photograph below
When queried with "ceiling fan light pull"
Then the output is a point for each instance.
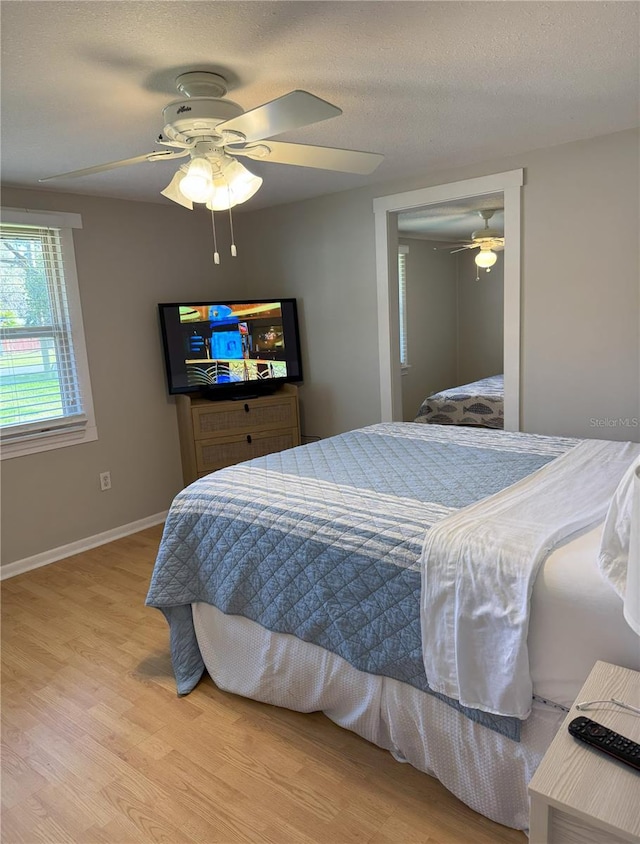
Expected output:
(216, 254)
(233, 245)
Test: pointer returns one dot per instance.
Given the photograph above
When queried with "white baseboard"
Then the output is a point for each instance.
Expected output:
(55, 554)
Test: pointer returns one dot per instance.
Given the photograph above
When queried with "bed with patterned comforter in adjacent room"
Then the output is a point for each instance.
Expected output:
(479, 403)
(300, 579)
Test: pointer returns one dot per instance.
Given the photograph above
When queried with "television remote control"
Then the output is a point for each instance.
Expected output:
(604, 739)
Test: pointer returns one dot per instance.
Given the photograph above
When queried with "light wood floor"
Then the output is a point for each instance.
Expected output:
(97, 747)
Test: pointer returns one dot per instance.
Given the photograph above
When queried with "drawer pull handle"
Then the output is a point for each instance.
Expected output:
(247, 408)
(249, 438)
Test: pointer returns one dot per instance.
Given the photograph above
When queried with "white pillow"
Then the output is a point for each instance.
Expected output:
(614, 547)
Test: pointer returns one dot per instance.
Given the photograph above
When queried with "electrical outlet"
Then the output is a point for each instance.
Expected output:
(105, 480)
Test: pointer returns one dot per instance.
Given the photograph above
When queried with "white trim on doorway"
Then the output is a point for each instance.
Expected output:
(386, 209)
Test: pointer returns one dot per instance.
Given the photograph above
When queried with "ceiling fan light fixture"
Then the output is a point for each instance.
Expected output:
(485, 258)
(243, 184)
(218, 185)
(173, 192)
(197, 183)
(221, 197)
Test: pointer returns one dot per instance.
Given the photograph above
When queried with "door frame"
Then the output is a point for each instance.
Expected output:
(386, 210)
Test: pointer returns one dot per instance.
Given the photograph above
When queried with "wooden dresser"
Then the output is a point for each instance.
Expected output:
(215, 434)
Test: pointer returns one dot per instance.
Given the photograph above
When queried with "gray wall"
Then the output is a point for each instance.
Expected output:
(130, 256)
(431, 323)
(480, 329)
(580, 355)
(322, 251)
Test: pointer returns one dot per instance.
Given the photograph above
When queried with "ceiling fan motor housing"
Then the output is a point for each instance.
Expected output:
(197, 117)
(201, 83)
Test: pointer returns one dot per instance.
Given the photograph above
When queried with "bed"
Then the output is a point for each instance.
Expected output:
(479, 403)
(316, 579)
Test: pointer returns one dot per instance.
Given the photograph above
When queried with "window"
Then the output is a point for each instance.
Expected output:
(402, 301)
(45, 394)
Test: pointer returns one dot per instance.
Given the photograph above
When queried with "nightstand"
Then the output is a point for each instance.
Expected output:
(579, 795)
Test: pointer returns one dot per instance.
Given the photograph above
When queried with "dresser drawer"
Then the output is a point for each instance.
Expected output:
(217, 453)
(212, 419)
(218, 434)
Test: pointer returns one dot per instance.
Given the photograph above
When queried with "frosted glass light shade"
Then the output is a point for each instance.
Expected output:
(233, 185)
(486, 258)
(242, 182)
(197, 183)
(219, 185)
(172, 191)
(221, 197)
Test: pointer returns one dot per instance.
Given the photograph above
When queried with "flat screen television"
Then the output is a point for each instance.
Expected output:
(230, 349)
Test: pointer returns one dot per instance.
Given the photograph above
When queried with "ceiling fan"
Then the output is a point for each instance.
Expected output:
(488, 241)
(213, 132)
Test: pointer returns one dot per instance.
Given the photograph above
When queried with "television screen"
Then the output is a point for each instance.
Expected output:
(223, 348)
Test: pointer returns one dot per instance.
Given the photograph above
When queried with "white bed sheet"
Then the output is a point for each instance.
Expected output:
(576, 619)
(479, 567)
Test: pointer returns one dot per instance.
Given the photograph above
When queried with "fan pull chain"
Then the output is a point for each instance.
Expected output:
(216, 254)
(234, 251)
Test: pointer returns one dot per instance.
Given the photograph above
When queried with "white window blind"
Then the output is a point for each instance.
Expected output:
(402, 301)
(44, 391)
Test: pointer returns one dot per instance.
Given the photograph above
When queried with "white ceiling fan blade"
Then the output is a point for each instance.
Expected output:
(100, 168)
(448, 245)
(468, 246)
(305, 155)
(291, 111)
(493, 243)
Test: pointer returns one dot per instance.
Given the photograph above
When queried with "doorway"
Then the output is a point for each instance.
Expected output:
(387, 209)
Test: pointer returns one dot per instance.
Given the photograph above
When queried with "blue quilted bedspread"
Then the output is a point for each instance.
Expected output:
(323, 541)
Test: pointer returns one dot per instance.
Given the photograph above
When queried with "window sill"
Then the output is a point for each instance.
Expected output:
(404, 368)
(33, 445)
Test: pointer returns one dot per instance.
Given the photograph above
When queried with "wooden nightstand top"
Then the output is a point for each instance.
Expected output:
(582, 781)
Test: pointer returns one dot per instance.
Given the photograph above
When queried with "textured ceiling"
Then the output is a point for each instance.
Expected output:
(454, 220)
(431, 85)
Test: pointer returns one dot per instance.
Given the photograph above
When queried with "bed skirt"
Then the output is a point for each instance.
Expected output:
(484, 769)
